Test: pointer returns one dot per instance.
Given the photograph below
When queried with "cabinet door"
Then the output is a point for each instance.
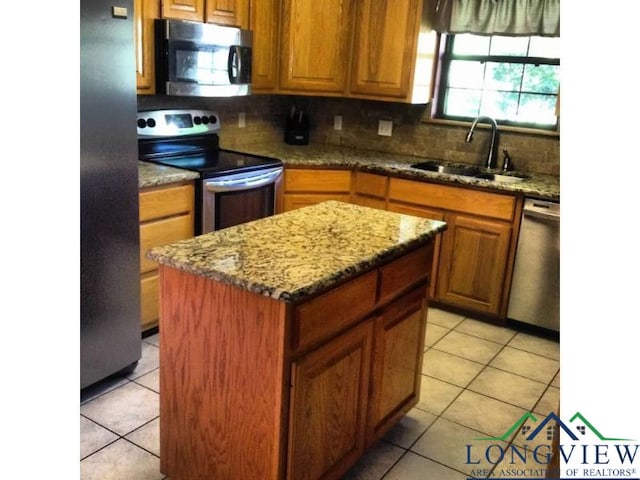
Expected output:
(183, 10)
(473, 262)
(315, 42)
(328, 406)
(265, 24)
(397, 361)
(228, 12)
(145, 11)
(384, 49)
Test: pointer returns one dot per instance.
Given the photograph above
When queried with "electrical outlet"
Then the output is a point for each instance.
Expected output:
(385, 127)
(337, 122)
(242, 120)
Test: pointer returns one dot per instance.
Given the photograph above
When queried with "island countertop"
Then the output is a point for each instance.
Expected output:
(297, 254)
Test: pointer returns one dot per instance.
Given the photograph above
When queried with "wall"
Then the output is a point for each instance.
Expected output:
(265, 116)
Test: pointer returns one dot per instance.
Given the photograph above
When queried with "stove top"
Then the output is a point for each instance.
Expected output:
(188, 139)
(213, 164)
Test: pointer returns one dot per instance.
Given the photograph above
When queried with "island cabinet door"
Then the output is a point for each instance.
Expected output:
(397, 361)
(328, 406)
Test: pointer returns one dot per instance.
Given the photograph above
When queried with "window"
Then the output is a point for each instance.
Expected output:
(512, 79)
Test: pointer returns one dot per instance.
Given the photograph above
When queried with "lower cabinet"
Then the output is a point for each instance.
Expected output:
(329, 396)
(473, 258)
(397, 362)
(473, 265)
(473, 262)
(166, 216)
(308, 186)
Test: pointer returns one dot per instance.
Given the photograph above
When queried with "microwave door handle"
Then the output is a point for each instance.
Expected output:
(243, 183)
(234, 64)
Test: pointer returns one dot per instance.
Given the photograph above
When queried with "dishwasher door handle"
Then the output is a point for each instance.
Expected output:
(542, 210)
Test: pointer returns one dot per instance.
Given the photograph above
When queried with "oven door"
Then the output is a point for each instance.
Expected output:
(238, 198)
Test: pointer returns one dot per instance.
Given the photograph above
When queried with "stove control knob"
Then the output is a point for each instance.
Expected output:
(213, 119)
(205, 120)
(142, 123)
(197, 120)
(151, 122)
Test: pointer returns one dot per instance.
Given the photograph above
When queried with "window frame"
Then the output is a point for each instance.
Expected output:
(445, 56)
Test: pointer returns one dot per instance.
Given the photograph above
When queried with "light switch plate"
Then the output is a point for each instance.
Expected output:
(337, 122)
(385, 127)
(242, 120)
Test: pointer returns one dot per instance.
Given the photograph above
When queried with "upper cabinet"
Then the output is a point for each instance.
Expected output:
(265, 25)
(315, 45)
(384, 47)
(228, 12)
(145, 12)
(183, 10)
(376, 49)
(224, 12)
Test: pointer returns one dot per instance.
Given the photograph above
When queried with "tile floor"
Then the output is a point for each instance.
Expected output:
(478, 380)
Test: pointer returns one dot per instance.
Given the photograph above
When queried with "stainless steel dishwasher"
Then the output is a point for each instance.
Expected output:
(535, 288)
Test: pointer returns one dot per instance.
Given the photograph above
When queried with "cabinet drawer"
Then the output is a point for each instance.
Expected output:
(299, 200)
(317, 180)
(456, 199)
(371, 184)
(333, 311)
(161, 232)
(149, 313)
(164, 202)
(409, 269)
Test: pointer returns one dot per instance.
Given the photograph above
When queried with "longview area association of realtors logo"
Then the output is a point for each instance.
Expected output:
(524, 452)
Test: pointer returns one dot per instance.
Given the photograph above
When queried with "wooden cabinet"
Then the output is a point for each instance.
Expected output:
(477, 249)
(192, 10)
(315, 45)
(384, 47)
(223, 12)
(397, 362)
(377, 49)
(256, 388)
(228, 12)
(329, 397)
(144, 14)
(370, 190)
(166, 215)
(265, 25)
(473, 259)
(473, 262)
(304, 187)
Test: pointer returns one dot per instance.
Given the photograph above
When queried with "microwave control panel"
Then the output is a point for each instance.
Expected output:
(178, 122)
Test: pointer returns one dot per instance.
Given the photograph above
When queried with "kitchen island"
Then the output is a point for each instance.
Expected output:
(290, 344)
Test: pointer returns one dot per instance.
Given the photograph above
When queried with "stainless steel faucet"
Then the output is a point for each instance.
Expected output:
(491, 156)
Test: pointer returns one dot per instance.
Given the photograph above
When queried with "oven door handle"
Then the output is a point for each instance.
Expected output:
(242, 181)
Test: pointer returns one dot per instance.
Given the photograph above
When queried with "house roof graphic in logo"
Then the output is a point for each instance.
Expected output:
(548, 425)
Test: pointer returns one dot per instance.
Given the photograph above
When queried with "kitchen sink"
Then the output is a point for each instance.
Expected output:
(497, 177)
(432, 166)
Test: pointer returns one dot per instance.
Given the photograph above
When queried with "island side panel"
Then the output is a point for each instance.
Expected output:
(222, 378)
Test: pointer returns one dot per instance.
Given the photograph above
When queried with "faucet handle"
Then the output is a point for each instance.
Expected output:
(506, 163)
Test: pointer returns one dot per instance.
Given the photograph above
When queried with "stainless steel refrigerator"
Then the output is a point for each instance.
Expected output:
(110, 333)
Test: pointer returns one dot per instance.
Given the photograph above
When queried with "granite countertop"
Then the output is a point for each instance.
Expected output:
(537, 185)
(540, 186)
(152, 175)
(297, 254)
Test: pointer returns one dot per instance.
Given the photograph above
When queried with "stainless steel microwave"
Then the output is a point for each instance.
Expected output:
(202, 59)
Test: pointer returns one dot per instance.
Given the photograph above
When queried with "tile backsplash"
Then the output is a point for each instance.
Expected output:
(412, 135)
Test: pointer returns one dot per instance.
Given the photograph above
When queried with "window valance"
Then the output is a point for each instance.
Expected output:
(497, 17)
